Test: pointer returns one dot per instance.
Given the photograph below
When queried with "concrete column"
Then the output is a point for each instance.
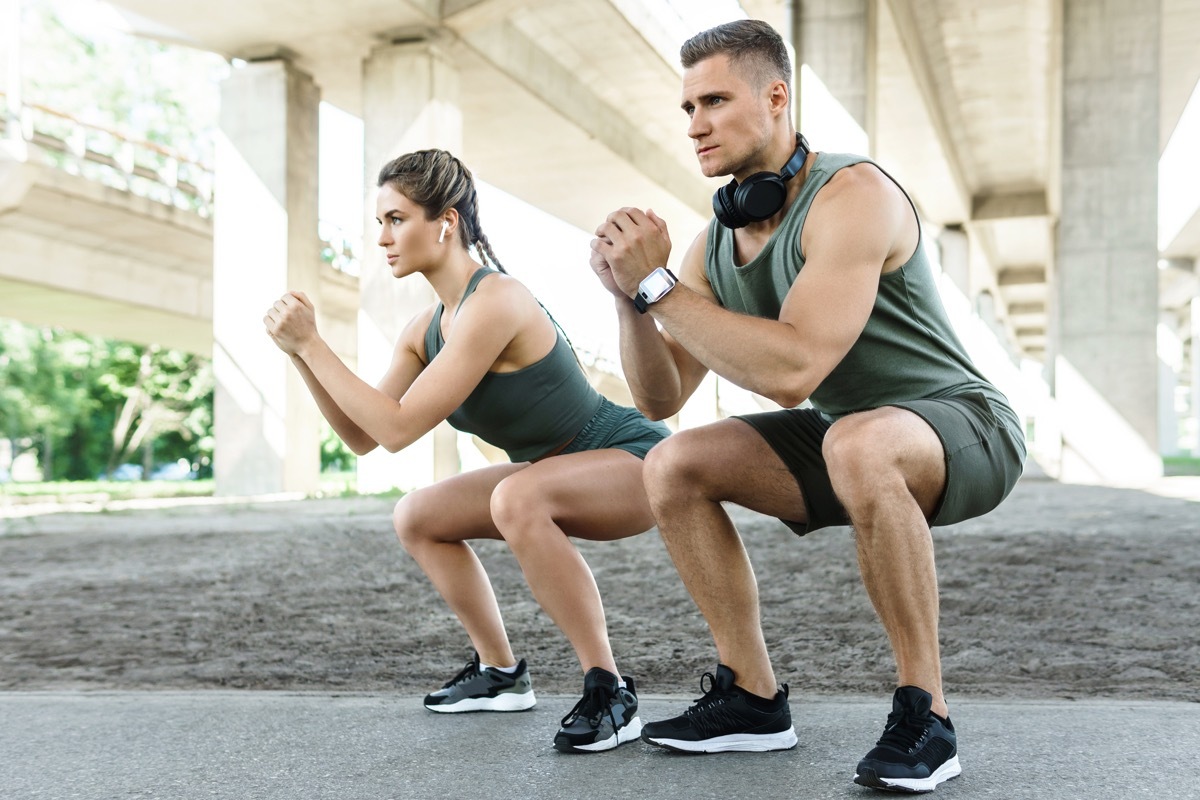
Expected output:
(954, 250)
(1106, 281)
(1171, 346)
(410, 102)
(264, 243)
(1194, 344)
(836, 40)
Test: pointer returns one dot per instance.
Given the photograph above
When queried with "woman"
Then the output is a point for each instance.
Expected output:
(488, 358)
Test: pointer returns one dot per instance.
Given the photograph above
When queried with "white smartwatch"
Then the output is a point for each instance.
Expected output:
(654, 287)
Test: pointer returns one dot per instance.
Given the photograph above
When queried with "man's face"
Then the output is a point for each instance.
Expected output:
(730, 119)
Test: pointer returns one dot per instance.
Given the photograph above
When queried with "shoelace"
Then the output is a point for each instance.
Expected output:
(906, 732)
(591, 706)
(713, 695)
(467, 672)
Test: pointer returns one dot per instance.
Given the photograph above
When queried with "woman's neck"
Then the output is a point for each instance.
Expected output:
(449, 279)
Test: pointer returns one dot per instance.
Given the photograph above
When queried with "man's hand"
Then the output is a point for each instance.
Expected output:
(627, 247)
(291, 322)
(600, 266)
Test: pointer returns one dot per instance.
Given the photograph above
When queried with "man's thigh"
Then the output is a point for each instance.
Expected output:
(791, 440)
(733, 461)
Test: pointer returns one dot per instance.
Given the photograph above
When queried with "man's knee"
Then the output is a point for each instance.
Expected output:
(677, 465)
(871, 457)
(859, 457)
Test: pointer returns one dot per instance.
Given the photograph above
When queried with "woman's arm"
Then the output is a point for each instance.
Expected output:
(411, 398)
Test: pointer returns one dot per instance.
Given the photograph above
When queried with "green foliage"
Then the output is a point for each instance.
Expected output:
(335, 456)
(1181, 465)
(87, 404)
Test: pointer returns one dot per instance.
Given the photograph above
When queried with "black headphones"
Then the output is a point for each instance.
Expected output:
(759, 196)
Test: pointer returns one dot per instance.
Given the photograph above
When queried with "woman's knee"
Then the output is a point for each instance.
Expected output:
(517, 506)
(412, 520)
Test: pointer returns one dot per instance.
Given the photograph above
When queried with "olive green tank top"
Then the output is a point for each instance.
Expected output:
(527, 413)
(908, 349)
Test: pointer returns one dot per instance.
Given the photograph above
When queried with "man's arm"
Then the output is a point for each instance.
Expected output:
(660, 373)
(851, 234)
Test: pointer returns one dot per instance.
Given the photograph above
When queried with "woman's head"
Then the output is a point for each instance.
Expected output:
(438, 182)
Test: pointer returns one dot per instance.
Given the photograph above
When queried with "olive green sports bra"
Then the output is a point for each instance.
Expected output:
(528, 413)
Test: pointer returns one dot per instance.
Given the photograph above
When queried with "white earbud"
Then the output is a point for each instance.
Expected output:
(445, 225)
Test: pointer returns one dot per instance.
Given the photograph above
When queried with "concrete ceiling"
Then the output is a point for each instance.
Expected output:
(572, 106)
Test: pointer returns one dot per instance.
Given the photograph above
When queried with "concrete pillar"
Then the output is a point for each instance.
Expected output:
(410, 102)
(836, 41)
(264, 243)
(1194, 344)
(1106, 280)
(1189, 374)
(1171, 346)
(954, 250)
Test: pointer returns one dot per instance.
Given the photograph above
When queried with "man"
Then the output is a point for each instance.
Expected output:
(810, 284)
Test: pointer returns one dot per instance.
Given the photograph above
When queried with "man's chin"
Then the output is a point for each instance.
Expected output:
(711, 169)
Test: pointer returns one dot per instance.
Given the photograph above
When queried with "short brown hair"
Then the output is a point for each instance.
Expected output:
(751, 44)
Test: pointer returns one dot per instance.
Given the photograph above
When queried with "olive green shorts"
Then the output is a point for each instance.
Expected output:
(618, 427)
(982, 440)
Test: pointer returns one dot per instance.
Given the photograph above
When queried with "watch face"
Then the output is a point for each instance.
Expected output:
(656, 285)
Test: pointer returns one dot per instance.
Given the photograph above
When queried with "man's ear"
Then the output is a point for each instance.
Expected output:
(779, 97)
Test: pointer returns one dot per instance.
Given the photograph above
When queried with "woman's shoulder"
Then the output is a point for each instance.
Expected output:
(501, 293)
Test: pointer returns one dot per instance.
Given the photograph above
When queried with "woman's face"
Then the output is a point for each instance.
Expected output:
(409, 240)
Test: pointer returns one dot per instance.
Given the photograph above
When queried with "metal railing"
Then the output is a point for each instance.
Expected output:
(143, 168)
(140, 167)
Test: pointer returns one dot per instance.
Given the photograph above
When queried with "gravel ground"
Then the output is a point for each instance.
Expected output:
(1063, 592)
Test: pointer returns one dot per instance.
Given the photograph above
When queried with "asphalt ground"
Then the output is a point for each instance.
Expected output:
(320, 745)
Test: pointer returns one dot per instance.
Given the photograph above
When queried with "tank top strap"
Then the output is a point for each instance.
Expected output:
(433, 334)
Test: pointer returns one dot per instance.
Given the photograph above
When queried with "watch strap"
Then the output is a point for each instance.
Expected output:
(642, 304)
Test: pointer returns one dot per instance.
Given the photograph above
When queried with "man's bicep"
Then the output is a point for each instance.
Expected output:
(692, 271)
(828, 306)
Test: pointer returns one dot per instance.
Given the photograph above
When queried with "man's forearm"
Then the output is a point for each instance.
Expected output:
(650, 370)
(760, 355)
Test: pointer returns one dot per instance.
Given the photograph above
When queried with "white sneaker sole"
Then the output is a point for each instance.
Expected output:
(945, 772)
(627, 734)
(509, 701)
(733, 743)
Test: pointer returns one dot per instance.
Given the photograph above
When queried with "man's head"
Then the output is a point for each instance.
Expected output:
(736, 90)
(753, 47)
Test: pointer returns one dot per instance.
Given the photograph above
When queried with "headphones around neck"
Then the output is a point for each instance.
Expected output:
(761, 195)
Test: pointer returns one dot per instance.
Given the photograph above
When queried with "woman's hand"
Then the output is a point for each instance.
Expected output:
(291, 322)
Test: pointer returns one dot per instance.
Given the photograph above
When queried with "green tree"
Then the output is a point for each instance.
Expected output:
(86, 404)
(160, 392)
(41, 394)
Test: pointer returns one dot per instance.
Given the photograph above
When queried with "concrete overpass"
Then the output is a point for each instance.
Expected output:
(1029, 132)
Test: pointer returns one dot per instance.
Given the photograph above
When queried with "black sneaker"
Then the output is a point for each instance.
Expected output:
(486, 689)
(918, 749)
(605, 717)
(724, 721)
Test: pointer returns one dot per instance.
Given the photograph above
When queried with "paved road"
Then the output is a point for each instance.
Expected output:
(248, 745)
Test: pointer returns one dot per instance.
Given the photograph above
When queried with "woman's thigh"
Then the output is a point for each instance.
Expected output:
(596, 494)
(454, 509)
